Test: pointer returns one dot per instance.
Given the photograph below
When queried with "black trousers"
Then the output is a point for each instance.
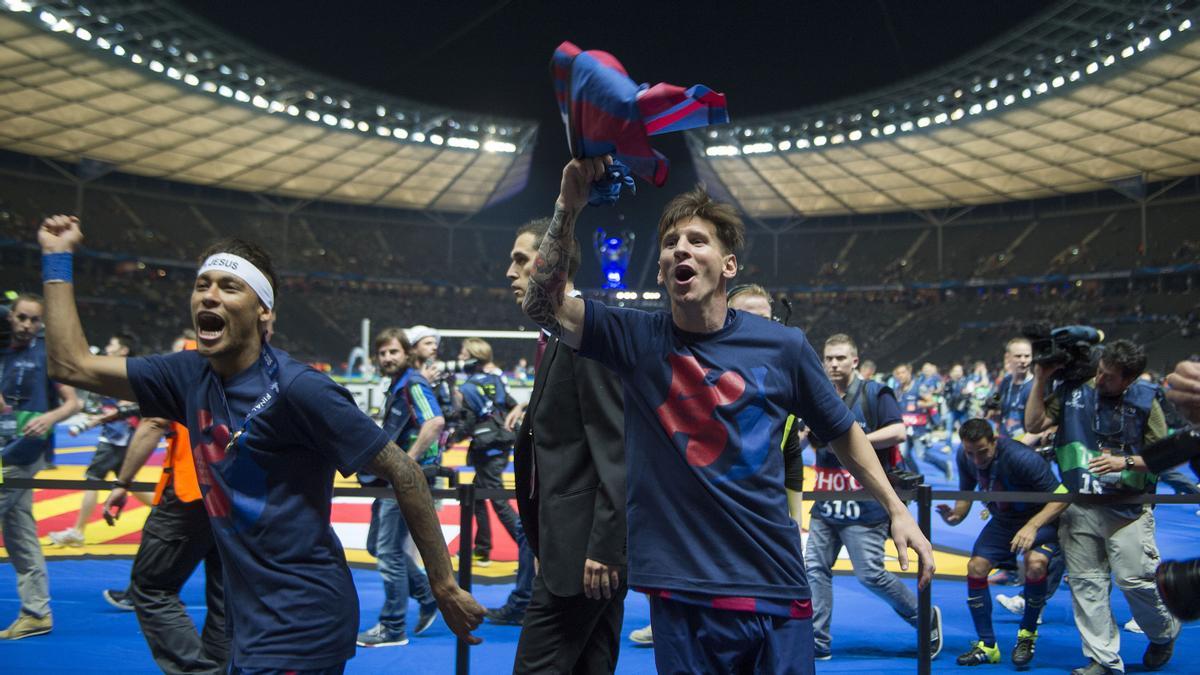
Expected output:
(176, 538)
(570, 634)
(489, 473)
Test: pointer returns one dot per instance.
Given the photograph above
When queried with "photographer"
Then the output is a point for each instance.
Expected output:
(487, 401)
(1104, 423)
(860, 526)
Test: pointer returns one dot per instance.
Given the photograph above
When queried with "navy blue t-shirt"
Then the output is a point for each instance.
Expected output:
(1016, 468)
(30, 393)
(1013, 398)
(119, 431)
(289, 597)
(832, 476)
(704, 420)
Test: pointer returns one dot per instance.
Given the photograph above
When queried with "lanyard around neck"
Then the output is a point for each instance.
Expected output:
(269, 365)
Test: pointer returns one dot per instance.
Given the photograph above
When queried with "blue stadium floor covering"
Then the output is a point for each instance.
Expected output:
(91, 636)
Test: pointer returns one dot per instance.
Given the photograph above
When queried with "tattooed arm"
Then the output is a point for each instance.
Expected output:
(545, 301)
(461, 612)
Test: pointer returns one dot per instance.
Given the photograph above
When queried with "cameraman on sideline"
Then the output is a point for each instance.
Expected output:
(1104, 423)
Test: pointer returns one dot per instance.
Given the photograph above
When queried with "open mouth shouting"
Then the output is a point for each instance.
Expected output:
(210, 326)
(684, 274)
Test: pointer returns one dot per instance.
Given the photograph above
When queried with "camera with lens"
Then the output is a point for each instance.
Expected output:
(1072, 348)
(902, 479)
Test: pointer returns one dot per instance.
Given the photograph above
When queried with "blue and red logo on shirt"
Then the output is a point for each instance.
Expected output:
(691, 407)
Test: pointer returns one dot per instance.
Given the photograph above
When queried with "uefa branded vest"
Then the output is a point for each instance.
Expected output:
(1091, 424)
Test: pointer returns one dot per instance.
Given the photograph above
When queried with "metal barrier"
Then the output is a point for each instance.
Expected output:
(467, 495)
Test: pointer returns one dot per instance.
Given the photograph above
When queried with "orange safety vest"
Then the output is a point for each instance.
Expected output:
(178, 464)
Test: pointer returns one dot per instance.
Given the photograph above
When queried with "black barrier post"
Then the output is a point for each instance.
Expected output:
(925, 595)
(466, 504)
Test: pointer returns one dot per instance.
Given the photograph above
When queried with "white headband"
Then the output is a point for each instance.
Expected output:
(244, 270)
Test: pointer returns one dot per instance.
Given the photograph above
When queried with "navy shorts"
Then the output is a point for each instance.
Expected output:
(995, 541)
(694, 639)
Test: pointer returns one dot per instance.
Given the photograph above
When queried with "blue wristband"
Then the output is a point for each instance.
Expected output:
(57, 267)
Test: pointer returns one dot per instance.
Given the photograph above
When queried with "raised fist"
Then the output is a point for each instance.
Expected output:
(60, 234)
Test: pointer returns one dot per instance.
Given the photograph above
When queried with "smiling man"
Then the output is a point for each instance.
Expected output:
(267, 433)
(707, 395)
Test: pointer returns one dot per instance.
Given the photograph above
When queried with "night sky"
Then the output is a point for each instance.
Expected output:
(492, 56)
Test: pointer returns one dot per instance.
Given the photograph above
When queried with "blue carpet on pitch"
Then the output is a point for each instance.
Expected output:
(90, 636)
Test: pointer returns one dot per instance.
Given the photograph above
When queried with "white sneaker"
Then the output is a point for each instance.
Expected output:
(1133, 627)
(642, 636)
(67, 537)
(1014, 604)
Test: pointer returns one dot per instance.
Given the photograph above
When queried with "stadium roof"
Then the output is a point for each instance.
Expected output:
(1086, 95)
(152, 90)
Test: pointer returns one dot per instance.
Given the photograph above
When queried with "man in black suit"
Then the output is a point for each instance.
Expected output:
(570, 471)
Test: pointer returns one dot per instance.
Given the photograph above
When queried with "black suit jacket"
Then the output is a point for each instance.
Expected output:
(575, 432)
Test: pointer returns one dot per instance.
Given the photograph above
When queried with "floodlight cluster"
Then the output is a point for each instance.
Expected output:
(170, 43)
(1069, 45)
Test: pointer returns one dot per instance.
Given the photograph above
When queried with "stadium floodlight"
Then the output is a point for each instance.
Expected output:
(329, 119)
(86, 35)
(1127, 52)
(119, 50)
(819, 141)
(499, 146)
(293, 111)
(18, 6)
(136, 58)
(436, 139)
(102, 43)
(906, 125)
(992, 104)
(47, 18)
(400, 133)
(346, 123)
(1109, 60)
(855, 135)
(756, 148)
(312, 115)
(260, 102)
(1091, 68)
(1042, 88)
(174, 73)
(225, 90)
(889, 129)
(1164, 35)
(923, 122)
(939, 118)
(383, 131)
(363, 126)
(651, 295)
(241, 96)
(157, 66)
(208, 86)
(1075, 75)
(464, 143)
(418, 136)
(1058, 81)
(1143, 44)
(722, 150)
(802, 143)
(784, 145)
(1185, 24)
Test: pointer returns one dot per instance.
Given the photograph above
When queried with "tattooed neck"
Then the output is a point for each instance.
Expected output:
(548, 282)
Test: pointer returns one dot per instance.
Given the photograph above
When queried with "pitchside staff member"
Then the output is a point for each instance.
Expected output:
(1103, 425)
(570, 466)
(268, 433)
(915, 403)
(707, 393)
(996, 465)
(860, 526)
